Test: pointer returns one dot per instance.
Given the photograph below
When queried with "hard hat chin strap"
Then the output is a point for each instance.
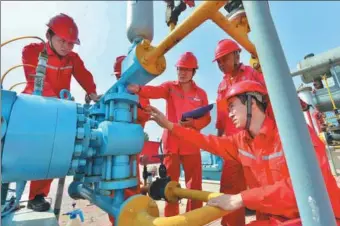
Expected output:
(249, 113)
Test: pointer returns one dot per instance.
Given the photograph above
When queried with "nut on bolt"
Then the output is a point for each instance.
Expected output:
(80, 133)
(78, 150)
(80, 109)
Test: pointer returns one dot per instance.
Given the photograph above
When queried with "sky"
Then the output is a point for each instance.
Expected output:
(303, 27)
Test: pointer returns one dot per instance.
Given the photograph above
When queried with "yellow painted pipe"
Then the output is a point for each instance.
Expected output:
(15, 85)
(329, 92)
(16, 66)
(22, 37)
(173, 192)
(142, 210)
(200, 14)
(201, 216)
(238, 34)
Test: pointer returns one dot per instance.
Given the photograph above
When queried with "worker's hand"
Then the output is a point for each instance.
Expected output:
(133, 88)
(188, 123)
(227, 202)
(93, 96)
(159, 117)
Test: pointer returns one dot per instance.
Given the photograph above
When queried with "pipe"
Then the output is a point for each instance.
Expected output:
(15, 85)
(200, 14)
(201, 216)
(329, 92)
(242, 38)
(103, 202)
(142, 210)
(308, 184)
(59, 197)
(14, 67)
(173, 192)
(22, 37)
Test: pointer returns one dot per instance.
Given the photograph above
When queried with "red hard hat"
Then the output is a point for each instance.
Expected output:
(64, 27)
(225, 47)
(187, 60)
(117, 67)
(246, 87)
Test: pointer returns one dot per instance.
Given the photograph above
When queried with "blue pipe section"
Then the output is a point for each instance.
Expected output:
(309, 187)
(109, 205)
(40, 139)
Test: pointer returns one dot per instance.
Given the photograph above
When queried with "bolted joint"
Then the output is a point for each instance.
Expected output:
(90, 152)
(80, 109)
(80, 132)
(78, 150)
(81, 118)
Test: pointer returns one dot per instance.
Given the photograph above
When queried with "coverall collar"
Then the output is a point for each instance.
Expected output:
(266, 132)
(193, 84)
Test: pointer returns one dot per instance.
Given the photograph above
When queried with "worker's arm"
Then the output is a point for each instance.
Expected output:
(83, 76)
(221, 146)
(155, 92)
(202, 122)
(278, 197)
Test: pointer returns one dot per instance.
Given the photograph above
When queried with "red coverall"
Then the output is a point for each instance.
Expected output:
(142, 118)
(318, 117)
(232, 179)
(58, 77)
(178, 102)
(270, 190)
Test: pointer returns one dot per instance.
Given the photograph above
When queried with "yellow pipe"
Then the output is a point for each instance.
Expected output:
(237, 34)
(22, 37)
(173, 192)
(142, 210)
(329, 92)
(201, 216)
(15, 85)
(200, 14)
(16, 66)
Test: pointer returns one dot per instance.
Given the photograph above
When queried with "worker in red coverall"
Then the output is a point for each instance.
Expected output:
(181, 96)
(142, 118)
(259, 149)
(318, 116)
(227, 55)
(62, 35)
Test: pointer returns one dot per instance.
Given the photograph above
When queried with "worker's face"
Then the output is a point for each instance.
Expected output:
(237, 112)
(227, 62)
(317, 84)
(61, 46)
(185, 74)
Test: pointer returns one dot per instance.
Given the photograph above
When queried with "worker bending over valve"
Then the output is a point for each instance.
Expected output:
(142, 118)
(62, 34)
(227, 56)
(258, 148)
(181, 96)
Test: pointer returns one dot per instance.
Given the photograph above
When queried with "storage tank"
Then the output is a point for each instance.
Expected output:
(313, 66)
(139, 20)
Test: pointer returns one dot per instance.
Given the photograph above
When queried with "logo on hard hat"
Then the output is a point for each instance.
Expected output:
(70, 30)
